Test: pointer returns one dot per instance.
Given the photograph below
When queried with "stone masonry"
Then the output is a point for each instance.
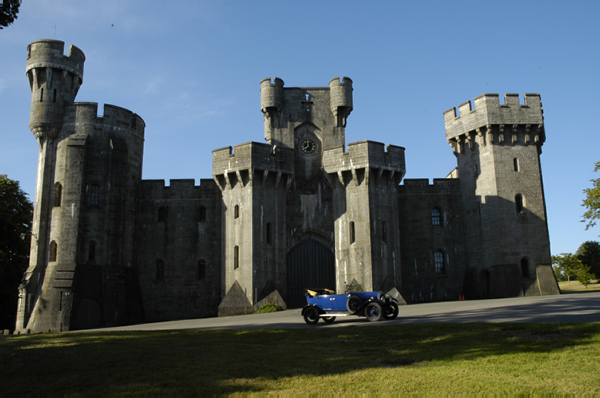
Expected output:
(305, 209)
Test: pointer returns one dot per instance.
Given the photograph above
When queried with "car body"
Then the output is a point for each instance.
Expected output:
(323, 303)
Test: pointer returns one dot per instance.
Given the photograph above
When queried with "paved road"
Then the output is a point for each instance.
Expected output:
(580, 307)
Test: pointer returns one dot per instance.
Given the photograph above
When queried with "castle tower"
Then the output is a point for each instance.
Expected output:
(54, 80)
(498, 151)
(83, 236)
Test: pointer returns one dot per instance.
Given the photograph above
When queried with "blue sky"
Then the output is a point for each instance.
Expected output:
(191, 70)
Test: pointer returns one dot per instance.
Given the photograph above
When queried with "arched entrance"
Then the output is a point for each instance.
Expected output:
(309, 264)
(89, 315)
(485, 284)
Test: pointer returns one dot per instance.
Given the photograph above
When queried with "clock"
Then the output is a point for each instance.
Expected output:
(308, 146)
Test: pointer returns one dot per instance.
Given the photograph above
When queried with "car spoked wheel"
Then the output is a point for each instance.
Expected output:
(390, 311)
(353, 304)
(373, 312)
(329, 319)
(311, 316)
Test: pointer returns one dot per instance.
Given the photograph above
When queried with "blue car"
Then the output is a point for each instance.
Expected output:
(323, 303)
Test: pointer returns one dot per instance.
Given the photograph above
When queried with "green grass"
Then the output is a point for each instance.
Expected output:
(543, 358)
(577, 287)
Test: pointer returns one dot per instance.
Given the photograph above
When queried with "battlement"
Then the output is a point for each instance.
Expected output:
(422, 186)
(365, 154)
(114, 116)
(50, 54)
(177, 188)
(253, 156)
(488, 111)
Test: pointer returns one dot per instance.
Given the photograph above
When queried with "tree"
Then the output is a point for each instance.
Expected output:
(16, 213)
(584, 275)
(8, 11)
(592, 202)
(589, 254)
(565, 266)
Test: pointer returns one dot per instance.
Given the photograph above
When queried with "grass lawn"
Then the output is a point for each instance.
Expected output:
(545, 358)
(577, 287)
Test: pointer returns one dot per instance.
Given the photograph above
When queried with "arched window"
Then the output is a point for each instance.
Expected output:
(516, 164)
(519, 203)
(95, 196)
(236, 257)
(236, 211)
(352, 232)
(201, 270)
(384, 232)
(53, 251)
(92, 251)
(57, 194)
(525, 267)
(202, 214)
(162, 214)
(440, 264)
(436, 216)
(160, 270)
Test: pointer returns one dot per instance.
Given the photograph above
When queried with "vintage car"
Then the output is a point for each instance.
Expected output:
(323, 303)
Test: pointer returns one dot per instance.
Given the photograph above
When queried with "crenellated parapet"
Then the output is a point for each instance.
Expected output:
(252, 160)
(490, 122)
(341, 99)
(114, 118)
(440, 186)
(365, 161)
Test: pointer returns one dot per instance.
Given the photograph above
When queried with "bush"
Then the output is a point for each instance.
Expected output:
(269, 308)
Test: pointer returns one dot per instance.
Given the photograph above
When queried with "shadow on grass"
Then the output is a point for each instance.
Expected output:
(257, 360)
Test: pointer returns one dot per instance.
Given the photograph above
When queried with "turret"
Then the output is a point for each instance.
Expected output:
(271, 102)
(341, 99)
(54, 80)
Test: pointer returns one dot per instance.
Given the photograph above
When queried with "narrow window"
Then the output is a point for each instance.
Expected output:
(236, 257)
(436, 216)
(384, 232)
(202, 214)
(519, 203)
(54, 96)
(42, 95)
(162, 214)
(57, 194)
(53, 251)
(160, 270)
(268, 232)
(201, 270)
(352, 232)
(525, 267)
(92, 251)
(516, 164)
(95, 196)
(236, 211)
(438, 259)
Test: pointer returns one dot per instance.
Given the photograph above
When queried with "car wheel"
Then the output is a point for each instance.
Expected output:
(390, 311)
(329, 319)
(311, 316)
(373, 312)
(353, 304)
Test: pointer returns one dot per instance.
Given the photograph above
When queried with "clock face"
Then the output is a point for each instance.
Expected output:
(308, 146)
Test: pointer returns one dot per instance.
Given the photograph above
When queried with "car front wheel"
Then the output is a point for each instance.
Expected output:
(311, 316)
(390, 311)
(373, 312)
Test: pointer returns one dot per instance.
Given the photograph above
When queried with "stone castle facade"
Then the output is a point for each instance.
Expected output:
(303, 210)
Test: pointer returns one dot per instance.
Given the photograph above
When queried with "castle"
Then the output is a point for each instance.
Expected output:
(303, 210)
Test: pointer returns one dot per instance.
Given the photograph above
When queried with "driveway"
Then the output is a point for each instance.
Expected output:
(576, 307)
